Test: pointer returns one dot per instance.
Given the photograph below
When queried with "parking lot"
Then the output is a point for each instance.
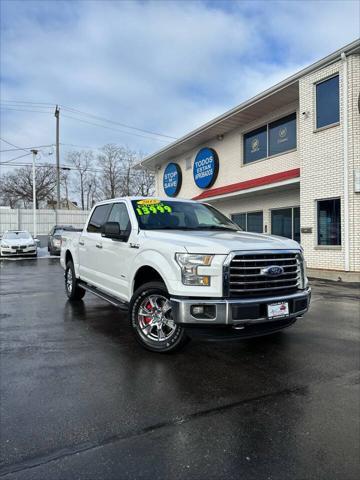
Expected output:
(81, 400)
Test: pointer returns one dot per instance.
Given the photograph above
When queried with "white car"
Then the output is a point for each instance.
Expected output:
(180, 266)
(15, 243)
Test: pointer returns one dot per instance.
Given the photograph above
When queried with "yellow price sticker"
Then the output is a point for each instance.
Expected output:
(148, 201)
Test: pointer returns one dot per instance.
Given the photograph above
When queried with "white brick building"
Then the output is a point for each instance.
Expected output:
(285, 162)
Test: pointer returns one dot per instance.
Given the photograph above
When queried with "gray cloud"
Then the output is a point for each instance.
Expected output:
(163, 66)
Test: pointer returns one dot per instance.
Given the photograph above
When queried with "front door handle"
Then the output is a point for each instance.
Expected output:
(98, 245)
(81, 243)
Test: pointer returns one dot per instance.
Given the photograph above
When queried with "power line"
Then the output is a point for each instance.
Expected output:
(23, 110)
(17, 103)
(16, 158)
(13, 145)
(32, 103)
(74, 110)
(27, 148)
(112, 128)
(65, 167)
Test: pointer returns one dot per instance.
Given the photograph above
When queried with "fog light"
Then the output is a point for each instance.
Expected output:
(203, 312)
(197, 310)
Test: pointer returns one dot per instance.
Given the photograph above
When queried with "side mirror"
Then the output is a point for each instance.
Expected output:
(37, 241)
(112, 230)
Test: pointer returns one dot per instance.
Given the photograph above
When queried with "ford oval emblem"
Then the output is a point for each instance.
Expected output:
(273, 271)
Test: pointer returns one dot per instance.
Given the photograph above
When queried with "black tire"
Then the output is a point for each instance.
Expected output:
(73, 291)
(174, 335)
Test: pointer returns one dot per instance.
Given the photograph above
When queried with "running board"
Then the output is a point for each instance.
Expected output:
(104, 296)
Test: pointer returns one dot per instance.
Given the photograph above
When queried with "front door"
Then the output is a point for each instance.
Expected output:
(90, 252)
(286, 222)
(117, 256)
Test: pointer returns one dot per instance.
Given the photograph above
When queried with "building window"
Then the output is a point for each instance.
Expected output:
(255, 145)
(327, 102)
(272, 139)
(286, 223)
(282, 135)
(249, 221)
(329, 222)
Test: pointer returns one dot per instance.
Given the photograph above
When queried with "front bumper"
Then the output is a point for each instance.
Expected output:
(11, 252)
(238, 311)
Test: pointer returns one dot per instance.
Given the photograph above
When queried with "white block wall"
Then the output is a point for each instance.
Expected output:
(22, 219)
(321, 158)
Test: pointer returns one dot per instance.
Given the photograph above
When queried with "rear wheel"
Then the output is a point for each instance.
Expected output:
(151, 319)
(73, 291)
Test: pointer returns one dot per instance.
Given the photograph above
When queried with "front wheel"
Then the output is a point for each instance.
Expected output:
(73, 291)
(151, 318)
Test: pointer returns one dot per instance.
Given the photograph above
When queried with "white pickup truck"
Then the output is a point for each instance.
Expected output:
(182, 268)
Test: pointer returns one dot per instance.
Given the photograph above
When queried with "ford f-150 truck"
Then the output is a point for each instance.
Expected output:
(181, 267)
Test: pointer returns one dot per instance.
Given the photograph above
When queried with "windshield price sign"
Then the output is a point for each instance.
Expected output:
(151, 206)
(172, 179)
(206, 167)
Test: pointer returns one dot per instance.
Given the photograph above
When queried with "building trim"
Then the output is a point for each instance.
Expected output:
(345, 163)
(248, 184)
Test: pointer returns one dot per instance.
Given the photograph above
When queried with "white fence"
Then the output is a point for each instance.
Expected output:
(22, 219)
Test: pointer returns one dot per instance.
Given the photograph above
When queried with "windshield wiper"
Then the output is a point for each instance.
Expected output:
(218, 227)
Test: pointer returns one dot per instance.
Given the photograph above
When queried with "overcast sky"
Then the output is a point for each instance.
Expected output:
(161, 66)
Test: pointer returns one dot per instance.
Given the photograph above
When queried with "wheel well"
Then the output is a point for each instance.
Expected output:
(68, 256)
(146, 274)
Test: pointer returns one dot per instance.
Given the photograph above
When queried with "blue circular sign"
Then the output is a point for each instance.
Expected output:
(206, 167)
(172, 179)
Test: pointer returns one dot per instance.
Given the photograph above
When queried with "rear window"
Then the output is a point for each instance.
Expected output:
(98, 218)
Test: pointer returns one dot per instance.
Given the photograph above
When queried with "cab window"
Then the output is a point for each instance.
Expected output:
(98, 218)
(120, 215)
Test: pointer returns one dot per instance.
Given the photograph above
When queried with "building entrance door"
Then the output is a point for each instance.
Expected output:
(286, 222)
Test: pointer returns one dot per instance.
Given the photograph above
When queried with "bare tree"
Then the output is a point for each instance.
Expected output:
(119, 177)
(18, 186)
(109, 162)
(83, 162)
(65, 180)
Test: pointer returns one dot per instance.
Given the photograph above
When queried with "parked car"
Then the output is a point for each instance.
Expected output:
(18, 242)
(180, 266)
(54, 239)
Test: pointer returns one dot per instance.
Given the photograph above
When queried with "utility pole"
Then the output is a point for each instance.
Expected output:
(34, 152)
(57, 116)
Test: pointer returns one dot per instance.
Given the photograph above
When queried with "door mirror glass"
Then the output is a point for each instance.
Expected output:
(112, 230)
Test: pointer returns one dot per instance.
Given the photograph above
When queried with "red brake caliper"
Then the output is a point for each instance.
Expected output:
(148, 319)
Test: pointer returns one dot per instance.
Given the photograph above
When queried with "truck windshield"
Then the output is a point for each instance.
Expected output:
(153, 214)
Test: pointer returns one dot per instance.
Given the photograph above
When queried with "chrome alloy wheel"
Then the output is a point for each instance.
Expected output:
(154, 318)
(69, 280)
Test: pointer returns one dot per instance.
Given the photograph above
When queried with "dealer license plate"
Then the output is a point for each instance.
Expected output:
(277, 310)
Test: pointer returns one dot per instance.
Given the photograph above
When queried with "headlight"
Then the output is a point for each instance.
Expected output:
(189, 264)
(3, 245)
(303, 274)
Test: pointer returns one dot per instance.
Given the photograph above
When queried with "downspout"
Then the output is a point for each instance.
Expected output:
(346, 162)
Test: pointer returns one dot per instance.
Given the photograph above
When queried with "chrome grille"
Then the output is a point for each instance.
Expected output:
(245, 277)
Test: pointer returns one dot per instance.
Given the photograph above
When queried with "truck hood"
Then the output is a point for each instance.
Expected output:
(221, 242)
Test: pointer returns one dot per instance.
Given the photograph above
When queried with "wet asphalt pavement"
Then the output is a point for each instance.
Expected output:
(80, 399)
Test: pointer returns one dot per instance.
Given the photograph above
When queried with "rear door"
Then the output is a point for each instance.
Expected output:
(90, 258)
(117, 256)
